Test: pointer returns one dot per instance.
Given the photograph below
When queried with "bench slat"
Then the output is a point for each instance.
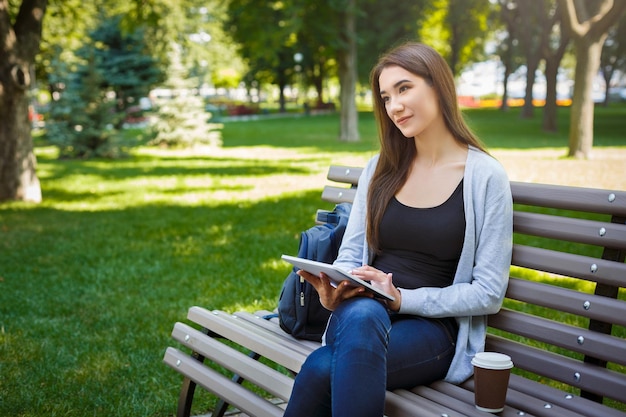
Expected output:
(570, 198)
(590, 232)
(338, 194)
(465, 393)
(552, 395)
(252, 370)
(415, 406)
(560, 368)
(461, 401)
(587, 305)
(273, 326)
(570, 265)
(221, 386)
(262, 342)
(576, 339)
(345, 174)
(220, 319)
(532, 404)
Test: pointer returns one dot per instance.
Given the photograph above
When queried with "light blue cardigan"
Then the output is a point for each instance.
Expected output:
(483, 271)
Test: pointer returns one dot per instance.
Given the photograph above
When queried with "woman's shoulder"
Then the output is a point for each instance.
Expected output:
(483, 168)
(482, 161)
(372, 161)
(370, 166)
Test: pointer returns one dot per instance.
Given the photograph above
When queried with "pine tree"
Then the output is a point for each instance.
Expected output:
(182, 121)
(82, 118)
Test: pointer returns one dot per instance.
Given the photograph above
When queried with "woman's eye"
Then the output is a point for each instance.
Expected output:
(403, 88)
(385, 99)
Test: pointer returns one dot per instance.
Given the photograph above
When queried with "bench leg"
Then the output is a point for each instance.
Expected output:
(187, 390)
(222, 405)
(186, 398)
(189, 387)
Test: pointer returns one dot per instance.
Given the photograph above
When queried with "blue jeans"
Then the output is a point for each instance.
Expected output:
(368, 351)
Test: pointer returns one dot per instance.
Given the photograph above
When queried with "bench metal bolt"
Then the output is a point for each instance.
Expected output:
(187, 337)
(569, 396)
(178, 362)
(594, 268)
(577, 376)
(521, 413)
(586, 305)
(547, 406)
(602, 231)
(611, 198)
(580, 340)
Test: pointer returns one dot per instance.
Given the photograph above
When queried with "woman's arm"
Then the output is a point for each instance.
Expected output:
(353, 252)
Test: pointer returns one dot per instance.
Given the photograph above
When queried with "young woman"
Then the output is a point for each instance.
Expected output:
(431, 224)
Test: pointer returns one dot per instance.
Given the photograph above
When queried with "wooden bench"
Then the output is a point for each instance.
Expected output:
(564, 326)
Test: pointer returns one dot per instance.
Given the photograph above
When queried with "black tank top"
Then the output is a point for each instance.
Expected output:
(422, 246)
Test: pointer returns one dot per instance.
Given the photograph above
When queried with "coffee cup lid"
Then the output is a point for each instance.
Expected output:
(492, 360)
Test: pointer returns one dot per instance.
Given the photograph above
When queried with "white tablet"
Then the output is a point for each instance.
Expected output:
(335, 274)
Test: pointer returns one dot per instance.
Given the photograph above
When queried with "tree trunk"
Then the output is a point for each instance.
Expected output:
(349, 131)
(553, 57)
(282, 84)
(318, 74)
(18, 177)
(550, 108)
(589, 29)
(528, 110)
(504, 106)
(508, 66)
(581, 121)
(532, 39)
(607, 75)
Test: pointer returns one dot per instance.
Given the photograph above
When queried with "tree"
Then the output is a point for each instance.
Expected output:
(266, 35)
(182, 119)
(112, 72)
(380, 28)
(348, 74)
(613, 55)
(82, 118)
(553, 52)
(456, 29)
(317, 41)
(532, 38)
(588, 23)
(508, 50)
(20, 37)
(122, 59)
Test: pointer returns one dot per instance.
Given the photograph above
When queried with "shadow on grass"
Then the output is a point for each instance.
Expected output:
(145, 166)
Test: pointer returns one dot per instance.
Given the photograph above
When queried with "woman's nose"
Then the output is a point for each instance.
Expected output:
(394, 105)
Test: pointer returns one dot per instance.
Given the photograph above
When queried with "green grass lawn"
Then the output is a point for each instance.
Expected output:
(93, 278)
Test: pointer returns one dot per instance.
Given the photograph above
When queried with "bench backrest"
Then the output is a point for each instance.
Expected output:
(564, 317)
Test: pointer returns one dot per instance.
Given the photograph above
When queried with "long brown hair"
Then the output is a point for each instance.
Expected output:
(396, 151)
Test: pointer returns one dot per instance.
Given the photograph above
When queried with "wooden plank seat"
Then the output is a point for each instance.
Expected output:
(563, 321)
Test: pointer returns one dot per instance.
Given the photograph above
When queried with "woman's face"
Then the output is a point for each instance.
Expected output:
(410, 102)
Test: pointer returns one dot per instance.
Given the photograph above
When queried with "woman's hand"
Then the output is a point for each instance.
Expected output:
(382, 281)
(330, 296)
